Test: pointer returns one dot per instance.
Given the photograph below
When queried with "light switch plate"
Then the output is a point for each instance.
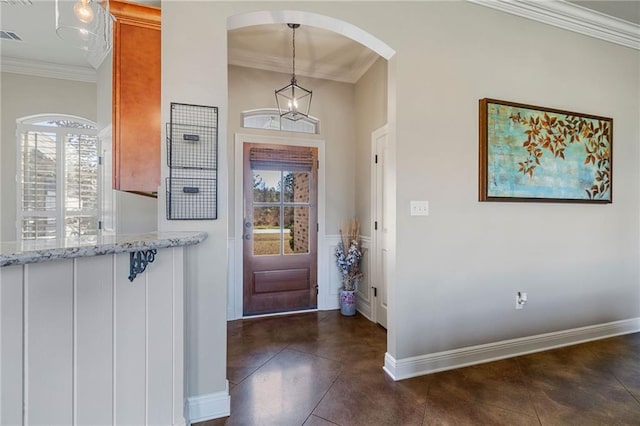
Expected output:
(419, 208)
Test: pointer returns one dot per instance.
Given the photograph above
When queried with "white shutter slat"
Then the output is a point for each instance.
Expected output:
(41, 216)
(81, 185)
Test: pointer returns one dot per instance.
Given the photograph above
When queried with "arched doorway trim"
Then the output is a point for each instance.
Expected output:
(314, 20)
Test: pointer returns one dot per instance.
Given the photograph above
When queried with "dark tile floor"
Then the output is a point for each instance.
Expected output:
(319, 369)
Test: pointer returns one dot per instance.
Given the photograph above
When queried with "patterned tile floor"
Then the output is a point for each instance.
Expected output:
(319, 369)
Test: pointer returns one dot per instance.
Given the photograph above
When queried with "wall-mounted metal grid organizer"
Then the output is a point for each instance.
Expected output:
(192, 157)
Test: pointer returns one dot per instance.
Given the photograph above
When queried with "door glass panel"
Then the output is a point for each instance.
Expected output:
(296, 187)
(266, 186)
(267, 234)
(296, 230)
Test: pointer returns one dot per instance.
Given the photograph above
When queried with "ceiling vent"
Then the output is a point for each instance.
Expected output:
(18, 2)
(9, 35)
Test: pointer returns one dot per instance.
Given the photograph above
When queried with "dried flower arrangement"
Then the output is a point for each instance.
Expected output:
(349, 255)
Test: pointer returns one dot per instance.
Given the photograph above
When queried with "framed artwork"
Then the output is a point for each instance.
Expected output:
(530, 153)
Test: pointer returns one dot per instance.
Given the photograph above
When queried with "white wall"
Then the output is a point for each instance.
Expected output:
(371, 114)
(459, 268)
(27, 95)
(194, 71)
(135, 213)
(578, 263)
(104, 86)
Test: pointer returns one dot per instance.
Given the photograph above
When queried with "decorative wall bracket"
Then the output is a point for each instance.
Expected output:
(138, 261)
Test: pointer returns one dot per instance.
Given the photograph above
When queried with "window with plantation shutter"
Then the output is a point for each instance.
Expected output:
(58, 178)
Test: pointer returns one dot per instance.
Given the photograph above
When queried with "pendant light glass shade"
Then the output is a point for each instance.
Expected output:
(294, 101)
(85, 24)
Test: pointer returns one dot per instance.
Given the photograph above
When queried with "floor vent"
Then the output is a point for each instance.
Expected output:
(9, 35)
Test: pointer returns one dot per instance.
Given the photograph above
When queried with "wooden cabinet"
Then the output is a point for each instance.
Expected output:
(136, 97)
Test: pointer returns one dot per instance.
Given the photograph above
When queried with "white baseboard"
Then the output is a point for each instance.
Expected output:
(456, 358)
(209, 406)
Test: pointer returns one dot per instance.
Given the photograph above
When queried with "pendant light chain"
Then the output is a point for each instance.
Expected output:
(293, 101)
(293, 75)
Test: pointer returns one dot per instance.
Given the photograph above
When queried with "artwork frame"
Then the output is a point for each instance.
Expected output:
(530, 153)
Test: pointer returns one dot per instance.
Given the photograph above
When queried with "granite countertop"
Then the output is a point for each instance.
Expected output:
(34, 251)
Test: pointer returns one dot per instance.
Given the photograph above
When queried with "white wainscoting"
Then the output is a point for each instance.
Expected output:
(448, 360)
(233, 312)
(329, 281)
(81, 344)
(364, 301)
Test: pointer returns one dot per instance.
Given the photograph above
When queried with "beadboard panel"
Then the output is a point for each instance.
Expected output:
(94, 331)
(93, 347)
(159, 323)
(178, 338)
(130, 326)
(48, 353)
(11, 345)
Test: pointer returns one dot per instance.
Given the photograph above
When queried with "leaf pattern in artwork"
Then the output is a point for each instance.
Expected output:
(551, 134)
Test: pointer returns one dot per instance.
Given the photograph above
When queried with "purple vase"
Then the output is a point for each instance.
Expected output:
(348, 302)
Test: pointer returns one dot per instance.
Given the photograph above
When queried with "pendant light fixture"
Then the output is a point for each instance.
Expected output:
(293, 101)
(85, 24)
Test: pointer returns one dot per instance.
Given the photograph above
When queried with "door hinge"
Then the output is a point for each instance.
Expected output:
(99, 224)
(376, 158)
(375, 291)
(100, 161)
(317, 227)
(318, 164)
(375, 225)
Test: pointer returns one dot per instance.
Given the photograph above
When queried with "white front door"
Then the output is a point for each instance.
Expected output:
(380, 261)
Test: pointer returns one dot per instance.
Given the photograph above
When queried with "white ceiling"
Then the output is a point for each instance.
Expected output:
(319, 53)
(35, 25)
(627, 10)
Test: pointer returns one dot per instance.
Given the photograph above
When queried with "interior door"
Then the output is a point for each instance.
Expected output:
(280, 228)
(381, 230)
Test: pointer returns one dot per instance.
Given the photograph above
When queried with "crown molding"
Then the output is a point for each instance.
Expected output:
(249, 59)
(48, 69)
(572, 17)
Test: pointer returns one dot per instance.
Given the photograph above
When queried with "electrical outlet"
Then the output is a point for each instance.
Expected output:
(521, 300)
(419, 208)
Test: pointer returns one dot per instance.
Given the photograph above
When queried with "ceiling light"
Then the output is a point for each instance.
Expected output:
(85, 24)
(293, 101)
(83, 11)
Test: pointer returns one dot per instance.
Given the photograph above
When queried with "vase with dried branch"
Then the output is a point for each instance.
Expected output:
(349, 254)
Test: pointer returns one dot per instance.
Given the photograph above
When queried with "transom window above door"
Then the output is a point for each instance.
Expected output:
(269, 118)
